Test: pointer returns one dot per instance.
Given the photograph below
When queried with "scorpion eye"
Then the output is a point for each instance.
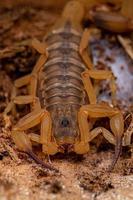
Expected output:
(64, 122)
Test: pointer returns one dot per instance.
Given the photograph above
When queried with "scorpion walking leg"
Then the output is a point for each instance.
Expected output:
(22, 140)
(49, 146)
(18, 83)
(84, 52)
(41, 48)
(91, 73)
(116, 125)
(100, 75)
(31, 78)
(28, 79)
(128, 134)
(83, 48)
(85, 56)
(11, 105)
(26, 99)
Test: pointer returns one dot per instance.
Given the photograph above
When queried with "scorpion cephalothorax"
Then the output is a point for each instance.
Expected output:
(65, 126)
(62, 96)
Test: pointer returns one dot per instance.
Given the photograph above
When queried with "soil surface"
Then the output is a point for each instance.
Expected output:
(79, 177)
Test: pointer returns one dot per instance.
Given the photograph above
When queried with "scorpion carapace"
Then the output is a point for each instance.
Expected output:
(61, 94)
(65, 126)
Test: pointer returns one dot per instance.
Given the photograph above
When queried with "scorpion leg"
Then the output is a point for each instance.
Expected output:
(26, 99)
(32, 91)
(128, 134)
(100, 75)
(11, 105)
(84, 54)
(85, 126)
(28, 79)
(18, 83)
(34, 137)
(89, 88)
(41, 48)
(45, 139)
(90, 73)
(116, 125)
(33, 79)
(42, 59)
(49, 146)
(83, 47)
(20, 138)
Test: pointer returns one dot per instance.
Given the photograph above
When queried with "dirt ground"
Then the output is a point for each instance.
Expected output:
(79, 177)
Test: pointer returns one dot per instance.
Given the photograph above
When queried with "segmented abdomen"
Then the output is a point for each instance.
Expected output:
(60, 79)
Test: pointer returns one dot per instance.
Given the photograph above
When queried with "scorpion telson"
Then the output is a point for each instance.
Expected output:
(62, 96)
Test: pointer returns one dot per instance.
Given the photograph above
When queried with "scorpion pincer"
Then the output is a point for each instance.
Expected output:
(61, 93)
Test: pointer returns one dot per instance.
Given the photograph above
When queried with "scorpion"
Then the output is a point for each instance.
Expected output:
(61, 95)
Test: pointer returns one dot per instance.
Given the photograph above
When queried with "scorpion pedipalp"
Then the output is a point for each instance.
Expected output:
(42, 163)
(117, 127)
(116, 124)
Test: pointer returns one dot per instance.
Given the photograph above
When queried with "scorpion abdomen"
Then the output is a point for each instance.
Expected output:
(60, 79)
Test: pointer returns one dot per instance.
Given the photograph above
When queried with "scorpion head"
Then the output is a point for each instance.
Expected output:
(65, 128)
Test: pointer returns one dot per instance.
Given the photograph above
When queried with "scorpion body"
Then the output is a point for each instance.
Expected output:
(60, 85)
(62, 96)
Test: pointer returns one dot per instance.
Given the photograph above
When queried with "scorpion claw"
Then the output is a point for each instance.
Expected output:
(51, 148)
(81, 147)
(38, 161)
(118, 148)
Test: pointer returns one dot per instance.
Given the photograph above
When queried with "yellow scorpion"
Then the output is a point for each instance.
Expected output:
(61, 94)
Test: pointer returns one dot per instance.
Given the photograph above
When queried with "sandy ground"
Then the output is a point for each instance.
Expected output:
(80, 177)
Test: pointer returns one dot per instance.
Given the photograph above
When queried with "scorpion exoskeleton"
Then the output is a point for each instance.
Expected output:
(62, 96)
